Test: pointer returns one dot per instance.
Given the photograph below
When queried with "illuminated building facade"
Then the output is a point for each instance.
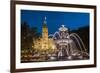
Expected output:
(44, 43)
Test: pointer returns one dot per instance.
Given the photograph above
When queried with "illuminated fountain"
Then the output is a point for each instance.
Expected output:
(69, 46)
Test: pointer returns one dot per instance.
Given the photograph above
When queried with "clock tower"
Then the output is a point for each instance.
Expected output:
(44, 35)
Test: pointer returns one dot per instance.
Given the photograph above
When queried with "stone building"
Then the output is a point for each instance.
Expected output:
(44, 42)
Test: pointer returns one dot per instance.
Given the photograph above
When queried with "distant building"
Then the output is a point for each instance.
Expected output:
(44, 42)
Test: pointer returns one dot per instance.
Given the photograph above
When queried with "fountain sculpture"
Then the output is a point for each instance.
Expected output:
(69, 46)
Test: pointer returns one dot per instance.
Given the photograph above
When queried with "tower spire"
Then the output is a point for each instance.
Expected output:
(45, 22)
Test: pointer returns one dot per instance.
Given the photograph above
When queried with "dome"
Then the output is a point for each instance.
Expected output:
(63, 28)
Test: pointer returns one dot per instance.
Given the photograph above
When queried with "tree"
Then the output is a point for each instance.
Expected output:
(27, 35)
(24, 35)
(83, 32)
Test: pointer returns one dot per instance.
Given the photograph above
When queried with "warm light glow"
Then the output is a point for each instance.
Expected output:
(44, 43)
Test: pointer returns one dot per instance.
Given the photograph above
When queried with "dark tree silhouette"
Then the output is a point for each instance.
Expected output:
(83, 32)
(27, 36)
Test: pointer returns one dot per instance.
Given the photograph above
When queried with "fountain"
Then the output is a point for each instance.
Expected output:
(69, 46)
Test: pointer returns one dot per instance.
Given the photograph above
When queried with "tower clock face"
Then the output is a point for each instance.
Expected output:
(45, 31)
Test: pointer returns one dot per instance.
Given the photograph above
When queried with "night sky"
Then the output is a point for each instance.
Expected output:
(71, 20)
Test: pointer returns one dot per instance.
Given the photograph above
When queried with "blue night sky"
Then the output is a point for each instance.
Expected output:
(71, 20)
